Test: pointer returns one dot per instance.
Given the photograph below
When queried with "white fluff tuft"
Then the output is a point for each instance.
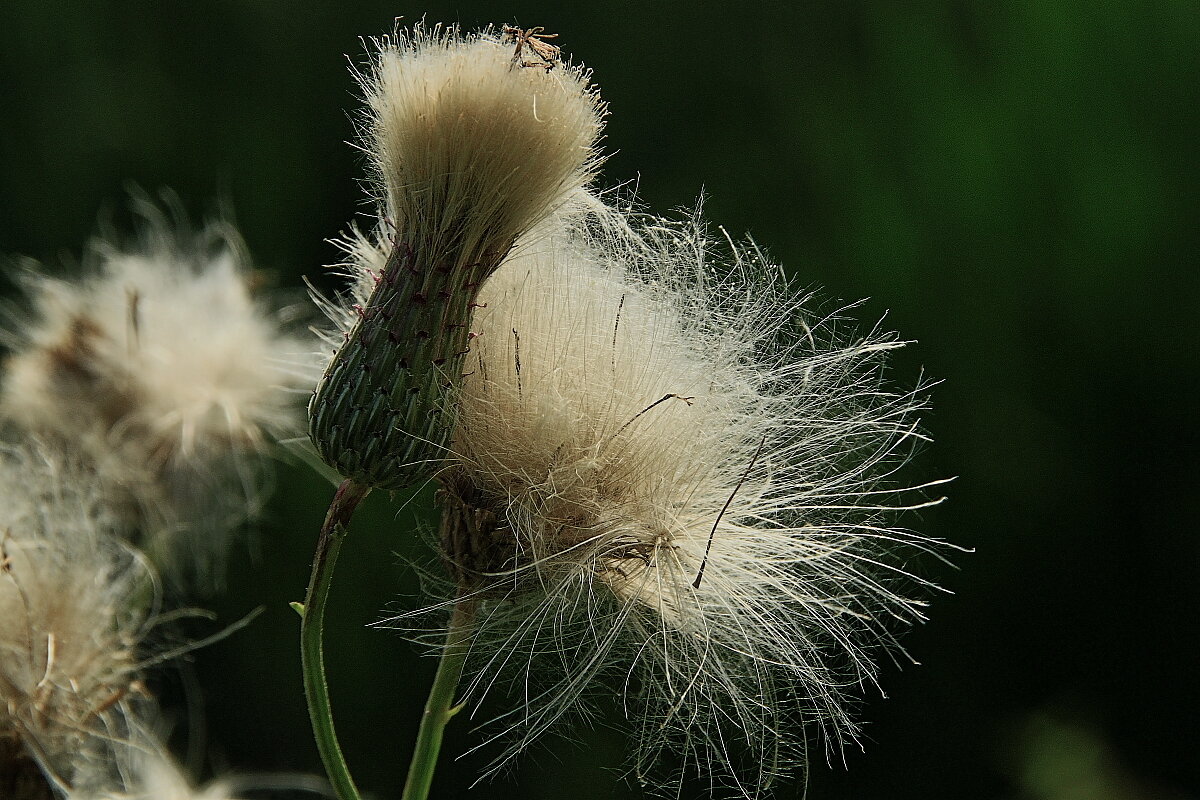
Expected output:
(74, 604)
(149, 773)
(160, 366)
(471, 148)
(633, 415)
(141, 768)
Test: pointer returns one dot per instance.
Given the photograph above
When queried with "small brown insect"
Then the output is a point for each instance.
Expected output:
(534, 39)
(5, 558)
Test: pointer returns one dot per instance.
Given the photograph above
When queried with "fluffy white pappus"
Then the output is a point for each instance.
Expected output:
(142, 768)
(75, 603)
(682, 485)
(158, 778)
(365, 255)
(472, 148)
(161, 366)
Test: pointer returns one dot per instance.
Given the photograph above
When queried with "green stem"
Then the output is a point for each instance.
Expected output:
(439, 708)
(312, 655)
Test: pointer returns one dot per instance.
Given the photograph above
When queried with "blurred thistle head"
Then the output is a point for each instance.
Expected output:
(74, 604)
(670, 476)
(158, 364)
(471, 147)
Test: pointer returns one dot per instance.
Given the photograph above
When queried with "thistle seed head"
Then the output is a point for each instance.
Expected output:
(471, 150)
(676, 481)
(160, 366)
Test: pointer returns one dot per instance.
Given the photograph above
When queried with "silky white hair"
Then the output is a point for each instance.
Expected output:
(146, 771)
(470, 149)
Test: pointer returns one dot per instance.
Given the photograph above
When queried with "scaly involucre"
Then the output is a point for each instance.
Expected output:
(471, 149)
(158, 365)
(675, 482)
(74, 604)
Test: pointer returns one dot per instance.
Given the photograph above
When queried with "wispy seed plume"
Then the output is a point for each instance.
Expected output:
(677, 483)
(75, 603)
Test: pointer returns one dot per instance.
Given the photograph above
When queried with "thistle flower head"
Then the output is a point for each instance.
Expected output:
(160, 366)
(74, 604)
(471, 148)
(669, 476)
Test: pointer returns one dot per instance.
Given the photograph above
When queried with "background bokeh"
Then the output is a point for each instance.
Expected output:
(1014, 183)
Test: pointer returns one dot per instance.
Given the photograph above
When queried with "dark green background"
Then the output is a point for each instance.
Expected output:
(1014, 183)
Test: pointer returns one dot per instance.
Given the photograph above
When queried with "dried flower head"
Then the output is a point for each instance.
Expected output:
(74, 603)
(670, 479)
(471, 150)
(159, 365)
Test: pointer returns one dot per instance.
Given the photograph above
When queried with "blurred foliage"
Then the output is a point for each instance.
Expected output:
(1014, 183)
